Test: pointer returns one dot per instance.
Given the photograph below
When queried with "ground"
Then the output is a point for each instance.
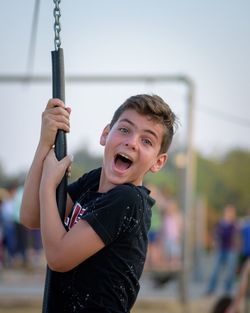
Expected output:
(21, 292)
(142, 306)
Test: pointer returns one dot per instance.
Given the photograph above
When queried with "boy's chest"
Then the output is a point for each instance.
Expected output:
(85, 204)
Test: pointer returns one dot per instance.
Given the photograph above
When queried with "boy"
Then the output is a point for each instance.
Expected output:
(101, 253)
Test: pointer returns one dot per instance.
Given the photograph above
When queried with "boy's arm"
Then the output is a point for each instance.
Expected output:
(54, 117)
(61, 247)
(30, 209)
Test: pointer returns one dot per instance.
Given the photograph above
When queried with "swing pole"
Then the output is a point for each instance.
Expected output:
(52, 280)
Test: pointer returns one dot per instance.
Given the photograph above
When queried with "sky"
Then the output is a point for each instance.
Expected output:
(205, 41)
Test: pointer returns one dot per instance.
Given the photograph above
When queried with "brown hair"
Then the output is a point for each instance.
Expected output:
(155, 107)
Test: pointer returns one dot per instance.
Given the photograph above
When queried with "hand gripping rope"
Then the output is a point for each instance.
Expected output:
(52, 295)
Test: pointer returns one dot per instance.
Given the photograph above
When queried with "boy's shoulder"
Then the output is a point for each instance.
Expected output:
(131, 189)
(133, 193)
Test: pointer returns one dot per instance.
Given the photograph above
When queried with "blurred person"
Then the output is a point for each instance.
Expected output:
(9, 233)
(170, 242)
(236, 303)
(244, 240)
(152, 260)
(21, 232)
(226, 238)
(36, 249)
(1, 234)
(239, 303)
(28, 245)
(172, 230)
(222, 304)
(155, 259)
(3, 195)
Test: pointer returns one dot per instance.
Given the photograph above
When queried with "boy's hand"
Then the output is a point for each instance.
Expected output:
(54, 170)
(54, 117)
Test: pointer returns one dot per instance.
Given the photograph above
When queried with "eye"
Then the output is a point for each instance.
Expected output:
(123, 130)
(146, 141)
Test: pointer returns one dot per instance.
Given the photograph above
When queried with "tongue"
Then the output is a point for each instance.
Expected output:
(121, 165)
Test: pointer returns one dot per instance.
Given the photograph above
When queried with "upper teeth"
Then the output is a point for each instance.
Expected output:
(124, 156)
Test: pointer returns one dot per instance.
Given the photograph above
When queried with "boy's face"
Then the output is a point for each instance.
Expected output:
(131, 149)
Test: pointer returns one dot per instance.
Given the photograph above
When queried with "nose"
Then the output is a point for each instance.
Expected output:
(132, 142)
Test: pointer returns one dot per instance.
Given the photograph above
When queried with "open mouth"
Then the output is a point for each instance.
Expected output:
(122, 162)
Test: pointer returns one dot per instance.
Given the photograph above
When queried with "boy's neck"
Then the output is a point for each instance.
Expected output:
(105, 185)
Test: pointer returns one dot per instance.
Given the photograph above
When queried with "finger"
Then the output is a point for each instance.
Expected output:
(58, 111)
(54, 119)
(67, 161)
(51, 153)
(68, 109)
(55, 102)
(59, 118)
(69, 171)
(63, 126)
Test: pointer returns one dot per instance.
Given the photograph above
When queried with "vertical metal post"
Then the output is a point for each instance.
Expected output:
(200, 227)
(187, 200)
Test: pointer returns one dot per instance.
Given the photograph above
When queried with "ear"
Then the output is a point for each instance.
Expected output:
(160, 162)
(104, 135)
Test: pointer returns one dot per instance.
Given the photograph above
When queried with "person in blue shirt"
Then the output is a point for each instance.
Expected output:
(226, 238)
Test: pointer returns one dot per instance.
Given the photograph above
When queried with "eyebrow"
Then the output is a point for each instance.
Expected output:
(146, 130)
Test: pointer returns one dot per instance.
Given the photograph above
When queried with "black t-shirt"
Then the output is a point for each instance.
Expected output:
(109, 280)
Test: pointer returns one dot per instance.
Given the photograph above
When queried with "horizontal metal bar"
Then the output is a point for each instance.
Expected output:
(17, 78)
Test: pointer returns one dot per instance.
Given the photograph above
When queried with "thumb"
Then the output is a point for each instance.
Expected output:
(66, 161)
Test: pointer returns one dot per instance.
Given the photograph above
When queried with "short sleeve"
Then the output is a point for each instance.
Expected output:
(89, 181)
(115, 212)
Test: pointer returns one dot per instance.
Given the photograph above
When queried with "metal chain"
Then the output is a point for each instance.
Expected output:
(57, 25)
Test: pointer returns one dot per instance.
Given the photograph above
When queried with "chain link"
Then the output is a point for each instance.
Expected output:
(57, 25)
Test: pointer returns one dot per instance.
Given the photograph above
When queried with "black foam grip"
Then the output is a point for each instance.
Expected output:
(52, 295)
(60, 142)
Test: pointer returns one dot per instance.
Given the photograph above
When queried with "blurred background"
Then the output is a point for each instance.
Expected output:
(195, 55)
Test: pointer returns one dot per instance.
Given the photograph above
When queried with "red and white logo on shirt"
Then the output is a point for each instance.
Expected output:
(78, 211)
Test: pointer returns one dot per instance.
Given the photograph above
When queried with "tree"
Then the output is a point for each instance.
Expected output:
(225, 180)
